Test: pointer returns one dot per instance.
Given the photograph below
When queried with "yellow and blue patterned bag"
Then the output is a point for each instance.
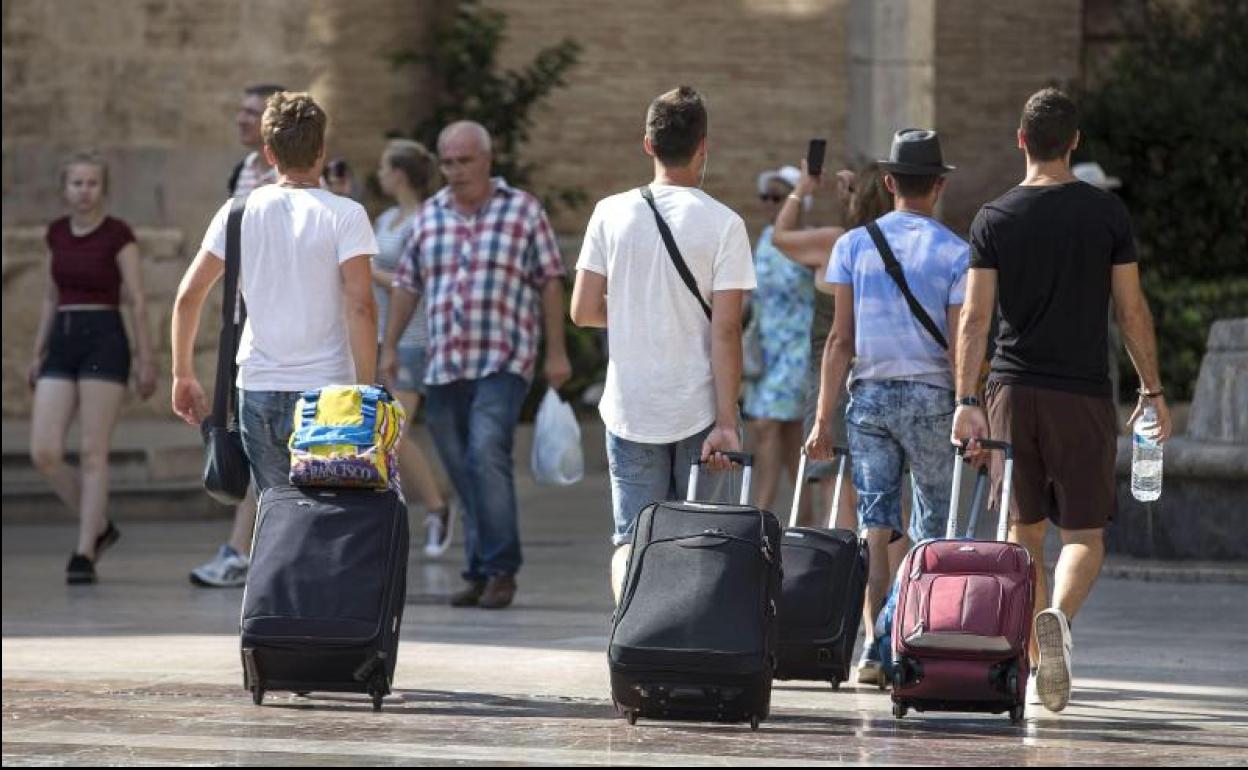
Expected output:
(346, 436)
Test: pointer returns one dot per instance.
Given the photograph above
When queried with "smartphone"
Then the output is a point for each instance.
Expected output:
(814, 156)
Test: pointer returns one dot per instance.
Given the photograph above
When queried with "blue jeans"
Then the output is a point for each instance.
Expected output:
(645, 473)
(473, 424)
(891, 422)
(266, 420)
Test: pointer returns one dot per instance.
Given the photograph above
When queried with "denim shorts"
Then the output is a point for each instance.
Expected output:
(266, 419)
(890, 423)
(645, 473)
(413, 361)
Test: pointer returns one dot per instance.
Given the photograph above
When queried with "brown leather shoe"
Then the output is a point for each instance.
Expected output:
(499, 593)
(470, 596)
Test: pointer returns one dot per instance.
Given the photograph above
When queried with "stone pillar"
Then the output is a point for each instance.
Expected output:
(892, 71)
(365, 95)
(965, 68)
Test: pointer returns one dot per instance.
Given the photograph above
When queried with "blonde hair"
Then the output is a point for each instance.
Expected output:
(414, 161)
(85, 158)
(293, 126)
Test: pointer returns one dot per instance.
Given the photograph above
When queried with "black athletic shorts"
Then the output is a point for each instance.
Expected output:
(88, 345)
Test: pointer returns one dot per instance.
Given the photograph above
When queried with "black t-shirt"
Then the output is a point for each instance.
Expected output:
(1054, 249)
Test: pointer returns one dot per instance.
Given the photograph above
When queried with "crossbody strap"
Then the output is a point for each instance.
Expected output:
(233, 313)
(893, 268)
(674, 252)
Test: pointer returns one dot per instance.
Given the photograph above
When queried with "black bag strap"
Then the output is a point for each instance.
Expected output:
(893, 268)
(233, 314)
(674, 252)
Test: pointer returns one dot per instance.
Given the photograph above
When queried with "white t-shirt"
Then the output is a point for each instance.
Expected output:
(660, 388)
(293, 241)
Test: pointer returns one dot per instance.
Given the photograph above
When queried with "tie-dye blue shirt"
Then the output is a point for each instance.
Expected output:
(889, 342)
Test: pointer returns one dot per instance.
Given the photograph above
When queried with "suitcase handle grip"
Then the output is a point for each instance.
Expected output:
(800, 484)
(1003, 521)
(1000, 446)
(744, 459)
(740, 458)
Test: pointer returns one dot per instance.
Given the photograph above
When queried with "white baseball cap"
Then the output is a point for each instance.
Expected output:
(789, 175)
(1093, 174)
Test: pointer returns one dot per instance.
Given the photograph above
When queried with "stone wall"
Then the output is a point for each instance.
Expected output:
(155, 86)
(773, 72)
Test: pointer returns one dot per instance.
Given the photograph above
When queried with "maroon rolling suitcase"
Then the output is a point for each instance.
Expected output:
(964, 615)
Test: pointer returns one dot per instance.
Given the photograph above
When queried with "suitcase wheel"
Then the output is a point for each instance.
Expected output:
(754, 722)
(631, 716)
(1016, 714)
(257, 695)
(900, 710)
(377, 690)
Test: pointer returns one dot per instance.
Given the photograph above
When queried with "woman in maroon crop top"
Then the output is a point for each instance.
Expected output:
(82, 356)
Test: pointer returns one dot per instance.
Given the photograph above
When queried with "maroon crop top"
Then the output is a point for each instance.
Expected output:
(85, 268)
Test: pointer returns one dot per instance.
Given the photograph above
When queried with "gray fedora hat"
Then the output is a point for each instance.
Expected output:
(915, 151)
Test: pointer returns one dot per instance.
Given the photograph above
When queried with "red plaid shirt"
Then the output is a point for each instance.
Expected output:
(481, 278)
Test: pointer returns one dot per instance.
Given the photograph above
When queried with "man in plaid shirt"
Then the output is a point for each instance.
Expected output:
(484, 256)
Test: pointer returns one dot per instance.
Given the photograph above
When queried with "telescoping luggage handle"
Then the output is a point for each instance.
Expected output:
(1003, 521)
(800, 484)
(744, 459)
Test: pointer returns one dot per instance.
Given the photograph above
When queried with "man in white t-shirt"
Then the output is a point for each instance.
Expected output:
(305, 270)
(674, 366)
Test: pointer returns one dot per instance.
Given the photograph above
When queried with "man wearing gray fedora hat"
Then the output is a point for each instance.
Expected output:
(899, 284)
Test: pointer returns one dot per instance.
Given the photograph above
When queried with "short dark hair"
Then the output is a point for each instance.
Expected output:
(263, 90)
(1049, 123)
(914, 185)
(676, 125)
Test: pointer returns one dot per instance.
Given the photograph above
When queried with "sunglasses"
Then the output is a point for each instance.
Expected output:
(772, 198)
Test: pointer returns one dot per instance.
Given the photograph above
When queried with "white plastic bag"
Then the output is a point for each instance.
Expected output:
(557, 455)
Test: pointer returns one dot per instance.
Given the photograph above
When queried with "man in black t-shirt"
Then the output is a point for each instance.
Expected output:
(1053, 251)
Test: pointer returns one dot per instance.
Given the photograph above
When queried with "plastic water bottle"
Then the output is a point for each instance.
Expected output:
(1145, 458)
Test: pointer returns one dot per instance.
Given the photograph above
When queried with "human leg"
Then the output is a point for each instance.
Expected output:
(100, 402)
(55, 404)
(765, 435)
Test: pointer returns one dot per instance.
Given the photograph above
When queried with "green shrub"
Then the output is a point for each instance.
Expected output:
(1170, 117)
(1183, 312)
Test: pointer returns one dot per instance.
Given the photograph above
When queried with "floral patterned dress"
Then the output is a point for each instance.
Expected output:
(784, 304)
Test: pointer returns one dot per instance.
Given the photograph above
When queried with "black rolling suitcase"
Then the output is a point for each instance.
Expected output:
(694, 636)
(825, 584)
(325, 592)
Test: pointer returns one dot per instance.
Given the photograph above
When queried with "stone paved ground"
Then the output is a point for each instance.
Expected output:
(143, 669)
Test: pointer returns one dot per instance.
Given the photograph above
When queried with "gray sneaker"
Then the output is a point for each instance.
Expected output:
(228, 569)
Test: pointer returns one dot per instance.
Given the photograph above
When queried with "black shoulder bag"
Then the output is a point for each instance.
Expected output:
(674, 252)
(893, 268)
(226, 470)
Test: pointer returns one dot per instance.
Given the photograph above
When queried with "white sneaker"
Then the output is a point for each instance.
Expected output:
(437, 533)
(228, 569)
(1053, 677)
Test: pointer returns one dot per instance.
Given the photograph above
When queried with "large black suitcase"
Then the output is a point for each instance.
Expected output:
(825, 584)
(325, 592)
(694, 636)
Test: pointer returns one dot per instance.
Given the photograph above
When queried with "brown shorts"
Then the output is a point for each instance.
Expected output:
(1065, 446)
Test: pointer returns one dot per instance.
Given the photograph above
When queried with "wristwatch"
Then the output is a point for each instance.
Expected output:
(1146, 393)
(970, 401)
